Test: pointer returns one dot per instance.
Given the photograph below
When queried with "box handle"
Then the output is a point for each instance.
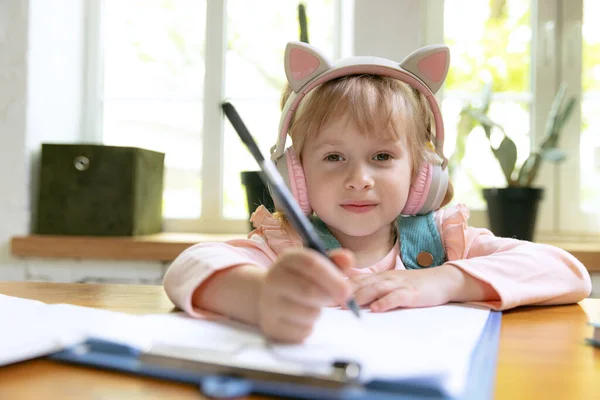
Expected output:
(81, 163)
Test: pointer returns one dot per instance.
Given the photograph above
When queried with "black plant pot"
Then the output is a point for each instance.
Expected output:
(256, 192)
(512, 212)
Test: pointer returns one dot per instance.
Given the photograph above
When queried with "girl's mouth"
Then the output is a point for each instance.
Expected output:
(359, 208)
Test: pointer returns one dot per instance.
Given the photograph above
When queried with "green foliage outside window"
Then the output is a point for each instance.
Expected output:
(502, 56)
(493, 56)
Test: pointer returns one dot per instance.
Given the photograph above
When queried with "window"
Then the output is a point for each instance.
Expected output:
(493, 50)
(152, 95)
(590, 110)
(581, 67)
(525, 49)
(154, 57)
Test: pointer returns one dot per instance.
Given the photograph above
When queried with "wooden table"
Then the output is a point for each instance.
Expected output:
(542, 352)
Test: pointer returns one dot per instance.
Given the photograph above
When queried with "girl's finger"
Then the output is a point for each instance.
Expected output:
(401, 297)
(367, 279)
(368, 293)
(300, 290)
(295, 313)
(322, 271)
(345, 261)
(285, 331)
(363, 279)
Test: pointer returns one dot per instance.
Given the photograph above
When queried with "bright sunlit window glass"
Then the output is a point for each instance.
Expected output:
(153, 88)
(493, 47)
(255, 78)
(590, 109)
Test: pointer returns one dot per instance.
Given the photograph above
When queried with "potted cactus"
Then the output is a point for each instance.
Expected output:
(512, 211)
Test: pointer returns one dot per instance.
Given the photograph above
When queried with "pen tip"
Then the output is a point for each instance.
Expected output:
(354, 307)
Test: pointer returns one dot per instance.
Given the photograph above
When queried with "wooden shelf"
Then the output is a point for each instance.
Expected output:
(167, 246)
(157, 247)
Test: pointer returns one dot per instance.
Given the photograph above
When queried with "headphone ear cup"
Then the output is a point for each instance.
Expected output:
(427, 191)
(418, 191)
(437, 189)
(290, 169)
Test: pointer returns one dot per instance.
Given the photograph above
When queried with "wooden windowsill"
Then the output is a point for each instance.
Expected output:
(157, 247)
(167, 246)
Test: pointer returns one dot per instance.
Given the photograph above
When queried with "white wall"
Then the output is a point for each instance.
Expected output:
(55, 65)
(14, 211)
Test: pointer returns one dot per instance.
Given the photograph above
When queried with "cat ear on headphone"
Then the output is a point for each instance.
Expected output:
(430, 64)
(303, 62)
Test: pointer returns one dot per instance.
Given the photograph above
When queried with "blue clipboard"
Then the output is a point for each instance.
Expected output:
(595, 339)
(222, 381)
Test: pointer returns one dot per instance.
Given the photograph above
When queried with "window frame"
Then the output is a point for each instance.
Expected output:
(93, 110)
(556, 57)
(543, 70)
(572, 218)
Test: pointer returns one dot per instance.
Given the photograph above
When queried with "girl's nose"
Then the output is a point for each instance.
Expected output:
(359, 178)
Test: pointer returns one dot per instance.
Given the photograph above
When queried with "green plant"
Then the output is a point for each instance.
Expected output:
(302, 21)
(506, 151)
(464, 127)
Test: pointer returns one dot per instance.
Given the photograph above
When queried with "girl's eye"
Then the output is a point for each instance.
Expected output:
(382, 157)
(333, 157)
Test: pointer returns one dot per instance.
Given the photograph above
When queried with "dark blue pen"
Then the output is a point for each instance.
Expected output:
(273, 179)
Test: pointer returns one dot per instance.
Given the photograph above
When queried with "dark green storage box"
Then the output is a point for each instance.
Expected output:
(87, 189)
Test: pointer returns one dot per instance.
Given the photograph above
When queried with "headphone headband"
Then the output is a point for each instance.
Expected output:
(306, 68)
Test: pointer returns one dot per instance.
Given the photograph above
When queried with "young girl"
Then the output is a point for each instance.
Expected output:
(366, 165)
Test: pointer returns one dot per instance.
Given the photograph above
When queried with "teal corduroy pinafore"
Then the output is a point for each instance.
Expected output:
(420, 241)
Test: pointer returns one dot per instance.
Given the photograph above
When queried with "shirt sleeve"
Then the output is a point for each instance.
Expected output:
(197, 263)
(521, 272)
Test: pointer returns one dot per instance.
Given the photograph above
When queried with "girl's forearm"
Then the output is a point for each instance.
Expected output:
(232, 292)
(466, 288)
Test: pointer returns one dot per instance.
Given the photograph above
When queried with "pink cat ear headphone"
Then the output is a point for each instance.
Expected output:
(424, 69)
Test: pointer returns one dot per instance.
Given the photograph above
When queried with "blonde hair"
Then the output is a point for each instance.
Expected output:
(377, 105)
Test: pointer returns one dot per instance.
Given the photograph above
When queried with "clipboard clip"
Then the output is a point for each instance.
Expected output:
(227, 386)
(214, 379)
(346, 371)
(224, 386)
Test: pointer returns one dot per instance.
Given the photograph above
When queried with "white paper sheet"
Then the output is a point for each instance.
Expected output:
(433, 343)
(428, 344)
(22, 335)
(32, 328)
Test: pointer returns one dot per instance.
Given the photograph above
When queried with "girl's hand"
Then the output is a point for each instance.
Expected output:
(416, 288)
(298, 284)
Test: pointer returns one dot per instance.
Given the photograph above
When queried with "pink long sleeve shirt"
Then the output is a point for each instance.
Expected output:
(521, 273)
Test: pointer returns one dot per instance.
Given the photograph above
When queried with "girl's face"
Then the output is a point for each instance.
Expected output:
(356, 184)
